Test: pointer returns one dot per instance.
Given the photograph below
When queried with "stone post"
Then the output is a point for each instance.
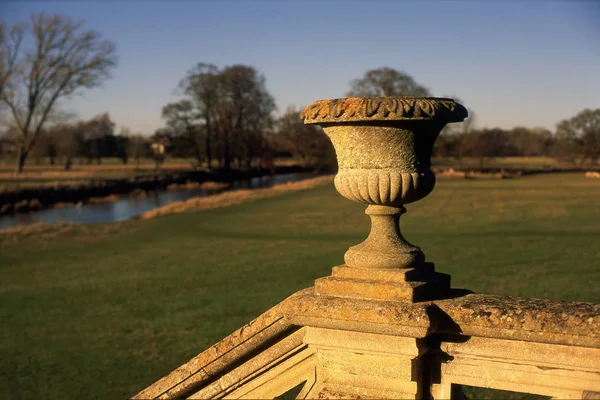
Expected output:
(383, 146)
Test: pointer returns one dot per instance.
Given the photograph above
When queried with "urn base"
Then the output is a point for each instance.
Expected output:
(409, 284)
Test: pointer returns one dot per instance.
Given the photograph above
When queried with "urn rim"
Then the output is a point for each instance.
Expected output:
(393, 108)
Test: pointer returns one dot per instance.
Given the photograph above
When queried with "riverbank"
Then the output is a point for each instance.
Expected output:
(224, 199)
(236, 197)
(26, 199)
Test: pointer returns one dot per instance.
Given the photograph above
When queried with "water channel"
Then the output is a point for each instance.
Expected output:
(129, 207)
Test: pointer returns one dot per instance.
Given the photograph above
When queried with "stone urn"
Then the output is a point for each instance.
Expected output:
(383, 147)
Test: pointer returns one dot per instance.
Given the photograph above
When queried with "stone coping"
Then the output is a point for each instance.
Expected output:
(466, 314)
(533, 320)
(354, 109)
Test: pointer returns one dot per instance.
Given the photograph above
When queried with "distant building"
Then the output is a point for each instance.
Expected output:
(160, 144)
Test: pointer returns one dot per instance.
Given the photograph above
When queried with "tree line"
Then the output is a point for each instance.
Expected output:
(576, 140)
(90, 141)
(225, 118)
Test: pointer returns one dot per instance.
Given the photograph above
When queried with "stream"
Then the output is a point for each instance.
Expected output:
(129, 207)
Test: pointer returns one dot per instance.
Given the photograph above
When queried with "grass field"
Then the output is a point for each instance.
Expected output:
(101, 311)
(525, 163)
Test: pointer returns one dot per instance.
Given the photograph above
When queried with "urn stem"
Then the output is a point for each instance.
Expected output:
(385, 247)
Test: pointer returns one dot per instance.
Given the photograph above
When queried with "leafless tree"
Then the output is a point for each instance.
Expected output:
(63, 59)
(137, 147)
(201, 84)
(386, 82)
(98, 138)
(308, 143)
(245, 111)
(530, 142)
(582, 134)
(182, 120)
(455, 139)
(235, 109)
(69, 141)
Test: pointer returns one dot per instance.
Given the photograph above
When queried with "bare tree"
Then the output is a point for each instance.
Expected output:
(530, 142)
(306, 142)
(47, 146)
(488, 143)
(245, 113)
(69, 140)
(182, 121)
(386, 82)
(455, 139)
(201, 84)
(582, 134)
(137, 148)
(98, 138)
(63, 60)
(235, 109)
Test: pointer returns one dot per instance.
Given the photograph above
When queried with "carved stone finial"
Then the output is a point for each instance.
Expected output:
(383, 147)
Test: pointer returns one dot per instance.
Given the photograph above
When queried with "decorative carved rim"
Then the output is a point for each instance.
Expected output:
(384, 109)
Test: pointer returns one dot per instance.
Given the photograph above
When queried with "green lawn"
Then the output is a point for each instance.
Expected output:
(102, 311)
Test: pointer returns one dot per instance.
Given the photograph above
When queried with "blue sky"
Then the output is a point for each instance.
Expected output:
(530, 63)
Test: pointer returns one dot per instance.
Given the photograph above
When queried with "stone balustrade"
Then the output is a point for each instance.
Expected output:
(386, 324)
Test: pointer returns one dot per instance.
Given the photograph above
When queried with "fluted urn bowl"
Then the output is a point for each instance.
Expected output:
(383, 147)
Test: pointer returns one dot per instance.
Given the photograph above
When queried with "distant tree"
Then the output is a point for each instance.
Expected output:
(47, 145)
(581, 134)
(529, 142)
(245, 112)
(386, 82)
(61, 140)
(137, 147)
(234, 109)
(488, 143)
(308, 143)
(98, 138)
(69, 140)
(122, 144)
(454, 138)
(182, 121)
(61, 60)
(202, 85)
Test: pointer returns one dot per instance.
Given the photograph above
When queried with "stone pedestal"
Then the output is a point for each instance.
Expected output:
(402, 284)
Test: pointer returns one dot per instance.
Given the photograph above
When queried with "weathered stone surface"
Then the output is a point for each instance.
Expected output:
(560, 371)
(385, 284)
(362, 315)
(383, 147)
(537, 320)
(567, 324)
(362, 365)
(383, 109)
(385, 247)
